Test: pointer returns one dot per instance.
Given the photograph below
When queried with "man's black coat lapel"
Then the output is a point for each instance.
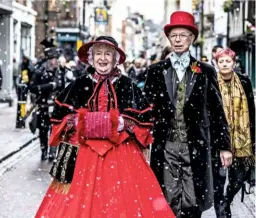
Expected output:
(191, 78)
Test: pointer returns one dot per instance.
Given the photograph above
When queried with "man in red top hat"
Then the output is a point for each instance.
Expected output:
(189, 122)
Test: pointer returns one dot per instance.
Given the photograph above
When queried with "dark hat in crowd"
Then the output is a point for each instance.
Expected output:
(107, 40)
(53, 52)
(204, 58)
(47, 43)
(181, 19)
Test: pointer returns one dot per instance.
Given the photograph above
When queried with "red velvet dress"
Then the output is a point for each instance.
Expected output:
(118, 184)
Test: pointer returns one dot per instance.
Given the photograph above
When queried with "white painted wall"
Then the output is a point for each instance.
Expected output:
(236, 23)
(186, 5)
(6, 53)
(23, 14)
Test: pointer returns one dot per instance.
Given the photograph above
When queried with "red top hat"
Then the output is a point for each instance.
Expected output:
(181, 19)
(107, 40)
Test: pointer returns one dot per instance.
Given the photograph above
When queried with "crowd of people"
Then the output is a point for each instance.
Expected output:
(198, 117)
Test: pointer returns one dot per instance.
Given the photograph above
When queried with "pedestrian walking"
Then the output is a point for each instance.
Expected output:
(135, 69)
(101, 121)
(25, 77)
(43, 84)
(215, 50)
(166, 52)
(188, 112)
(239, 107)
(65, 75)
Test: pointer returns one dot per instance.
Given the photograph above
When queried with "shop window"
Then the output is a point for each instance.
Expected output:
(26, 40)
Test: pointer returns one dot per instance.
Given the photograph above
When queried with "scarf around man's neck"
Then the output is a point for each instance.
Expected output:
(237, 114)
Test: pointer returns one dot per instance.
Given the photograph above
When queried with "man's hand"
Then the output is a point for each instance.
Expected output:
(226, 158)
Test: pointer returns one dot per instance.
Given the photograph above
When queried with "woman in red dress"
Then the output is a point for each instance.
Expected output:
(101, 123)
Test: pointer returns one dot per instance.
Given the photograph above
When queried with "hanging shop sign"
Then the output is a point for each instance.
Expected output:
(101, 15)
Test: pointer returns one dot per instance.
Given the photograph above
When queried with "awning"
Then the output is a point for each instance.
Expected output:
(67, 38)
(249, 37)
(67, 30)
(25, 24)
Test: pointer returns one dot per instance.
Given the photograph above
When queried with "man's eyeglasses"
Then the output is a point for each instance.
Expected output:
(182, 36)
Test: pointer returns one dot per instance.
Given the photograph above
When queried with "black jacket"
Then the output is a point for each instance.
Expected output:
(40, 84)
(247, 85)
(205, 120)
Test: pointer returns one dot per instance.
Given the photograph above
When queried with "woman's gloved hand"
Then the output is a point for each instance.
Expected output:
(120, 124)
(72, 124)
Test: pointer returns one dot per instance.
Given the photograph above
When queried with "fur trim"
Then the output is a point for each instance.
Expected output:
(82, 112)
(114, 137)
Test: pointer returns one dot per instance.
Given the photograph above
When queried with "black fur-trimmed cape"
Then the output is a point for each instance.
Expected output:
(131, 102)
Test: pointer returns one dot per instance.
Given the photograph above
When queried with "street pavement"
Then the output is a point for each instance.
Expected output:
(24, 178)
(11, 138)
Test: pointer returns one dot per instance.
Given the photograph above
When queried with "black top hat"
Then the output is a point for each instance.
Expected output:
(53, 52)
(47, 44)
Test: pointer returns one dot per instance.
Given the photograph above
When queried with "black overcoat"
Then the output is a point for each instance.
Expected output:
(205, 120)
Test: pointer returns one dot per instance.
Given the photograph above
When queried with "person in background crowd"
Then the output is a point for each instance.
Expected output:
(80, 66)
(26, 73)
(34, 61)
(134, 70)
(70, 75)
(143, 55)
(127, 66)
(26, 70)
(15, 74)
(142, 73)
(141, 78)
(153, 59)
(239, 107)
(73, 67)
(215, 50)
(43, 84)
(204, 59)
(188, 113)
(62, 72)
(105, 173)
(166, 52)
(239, 66)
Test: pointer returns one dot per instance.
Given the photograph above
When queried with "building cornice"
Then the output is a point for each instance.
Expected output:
(6, 7)
(21, 7)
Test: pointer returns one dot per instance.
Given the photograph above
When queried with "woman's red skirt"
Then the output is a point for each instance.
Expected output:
(119, 184)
